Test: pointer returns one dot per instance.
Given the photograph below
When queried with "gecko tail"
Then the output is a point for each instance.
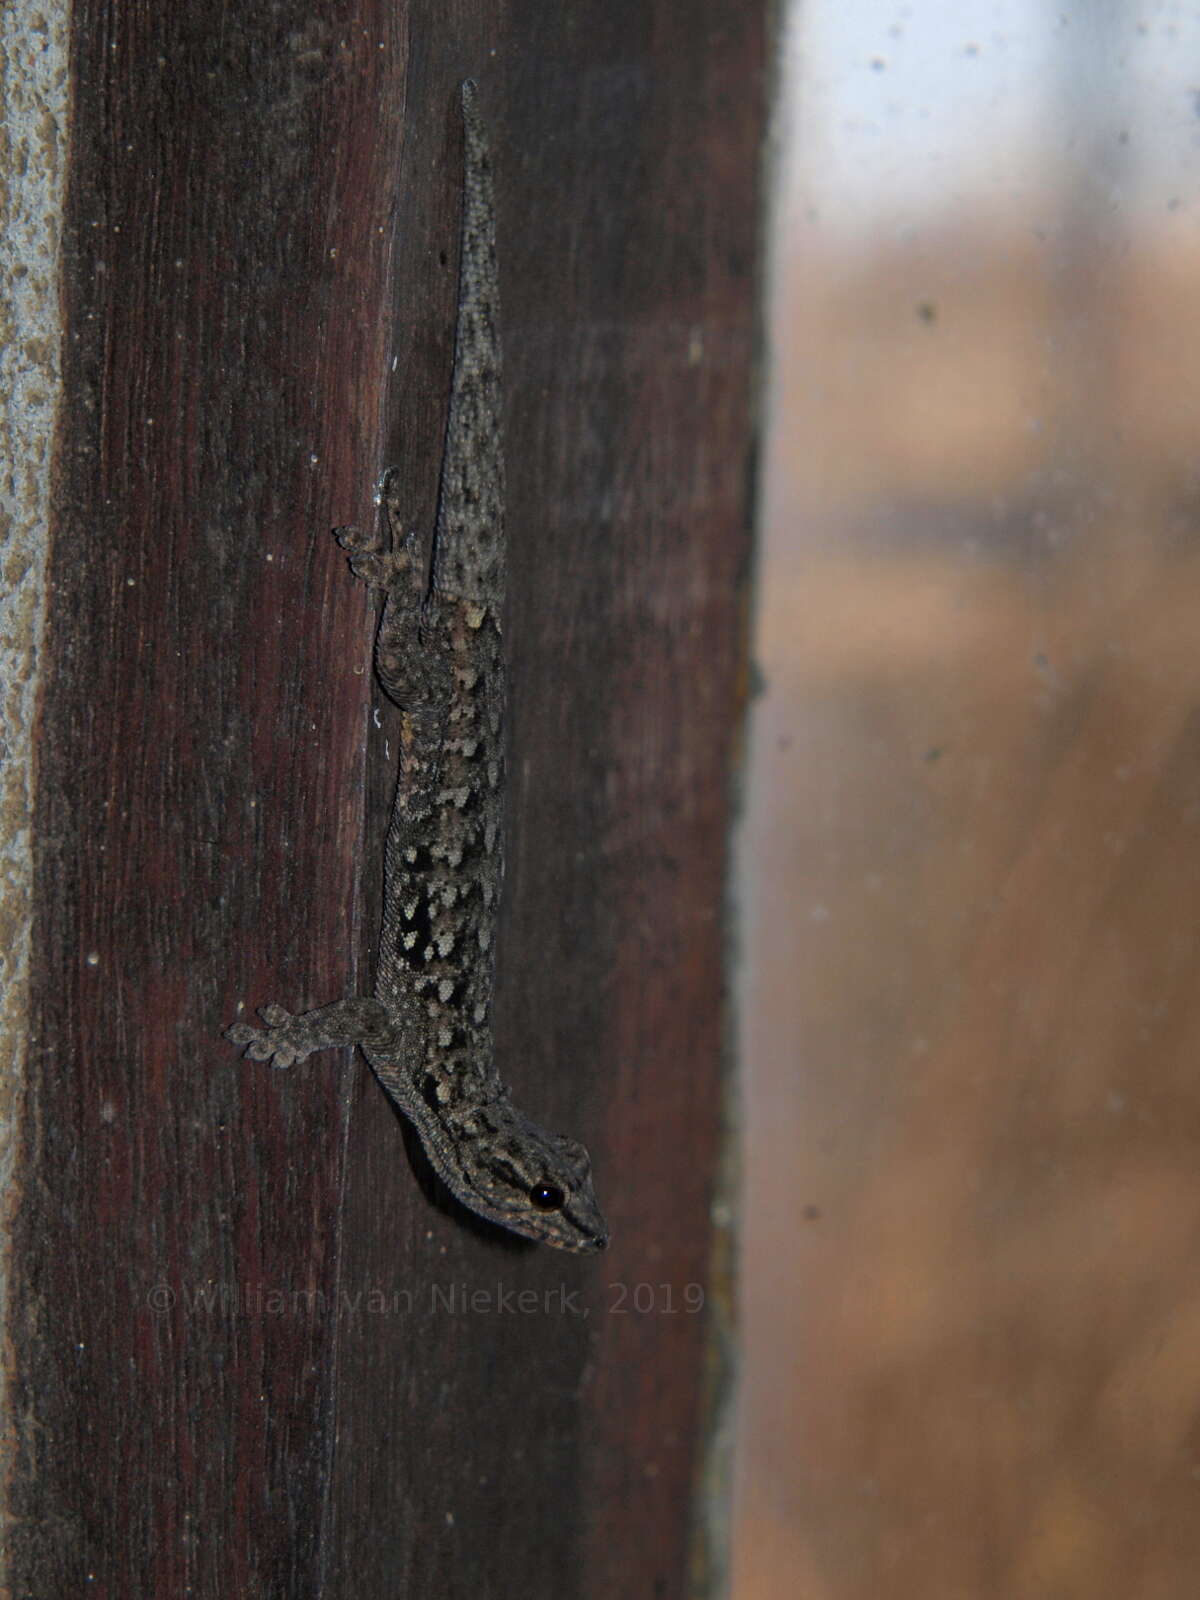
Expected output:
(469, 542)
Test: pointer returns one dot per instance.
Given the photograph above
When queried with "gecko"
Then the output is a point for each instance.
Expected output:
(427, 1029)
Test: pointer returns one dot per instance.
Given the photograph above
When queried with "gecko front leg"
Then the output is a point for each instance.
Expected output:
(287, 1038)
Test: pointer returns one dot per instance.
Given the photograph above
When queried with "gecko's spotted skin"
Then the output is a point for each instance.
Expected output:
(428, 1030)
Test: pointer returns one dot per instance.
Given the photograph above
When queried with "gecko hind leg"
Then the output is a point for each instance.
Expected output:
(388, 556)
(408, 662)
(287, 1038)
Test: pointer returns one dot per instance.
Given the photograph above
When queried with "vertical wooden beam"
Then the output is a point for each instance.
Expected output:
(253, 1354)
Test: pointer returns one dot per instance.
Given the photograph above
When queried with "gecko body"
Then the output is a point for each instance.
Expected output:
(427, 1031)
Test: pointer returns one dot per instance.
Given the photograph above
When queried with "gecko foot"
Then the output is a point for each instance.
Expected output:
(369, 560)
(383, 564)
(286, 1039)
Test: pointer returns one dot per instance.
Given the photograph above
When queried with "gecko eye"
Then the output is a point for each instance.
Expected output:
(546, 1197)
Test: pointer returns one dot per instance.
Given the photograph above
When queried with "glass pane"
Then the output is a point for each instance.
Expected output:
(970, 1008)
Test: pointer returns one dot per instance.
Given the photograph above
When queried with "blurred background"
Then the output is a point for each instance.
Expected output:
(970, 855)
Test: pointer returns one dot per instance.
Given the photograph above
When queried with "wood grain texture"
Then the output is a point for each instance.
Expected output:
(256, 1356)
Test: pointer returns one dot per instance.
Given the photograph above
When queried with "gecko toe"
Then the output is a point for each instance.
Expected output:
(357, 540)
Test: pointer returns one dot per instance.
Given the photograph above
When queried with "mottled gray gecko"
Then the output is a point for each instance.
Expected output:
(427, 1032)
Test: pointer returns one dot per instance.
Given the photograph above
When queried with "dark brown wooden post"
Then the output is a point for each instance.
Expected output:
(253, 1352)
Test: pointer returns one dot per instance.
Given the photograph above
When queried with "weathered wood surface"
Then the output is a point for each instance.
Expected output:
(243, 1357)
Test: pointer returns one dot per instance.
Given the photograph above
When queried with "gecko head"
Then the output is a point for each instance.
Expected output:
(535, 1183)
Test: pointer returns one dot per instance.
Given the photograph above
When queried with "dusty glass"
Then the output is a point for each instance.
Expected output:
(970, 870)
